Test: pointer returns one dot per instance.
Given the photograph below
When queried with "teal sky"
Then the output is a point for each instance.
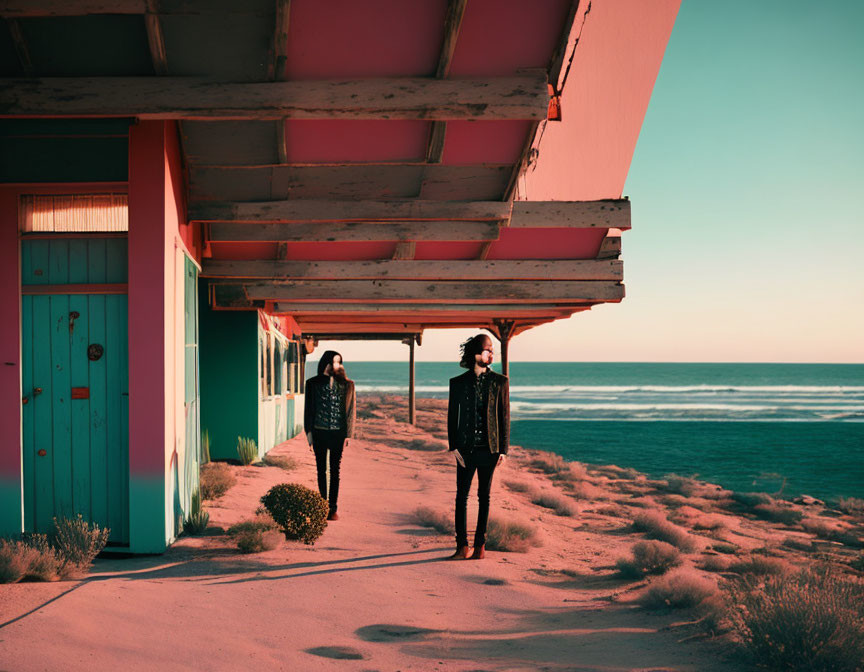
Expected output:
(748, 234)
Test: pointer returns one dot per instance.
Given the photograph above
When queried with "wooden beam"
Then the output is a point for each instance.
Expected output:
(354, 231)
(405, 250)
(610, 248)
(279, 49)
(425, 308)
(37, 8)
(412, 404)
(21, 48)
(300, 210)
(520, 214)
(604, 214)
(522, 97)
(399, 269)
(503, 291)
(452, 24)
(348, 336)
(155, 38)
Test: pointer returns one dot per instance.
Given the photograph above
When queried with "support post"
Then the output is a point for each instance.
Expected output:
(411, 388)
(505, 331)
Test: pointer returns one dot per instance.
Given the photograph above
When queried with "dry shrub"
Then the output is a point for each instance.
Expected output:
(14, 560)
(812, 621)
(649, 557)
(216, 479)
(624, 473)
(642, 501)
(832, 531)
(850, 505)
(520, 486)
(715, 563)
(510, 536)
(549, 463)
(614, 511)
(584, 490)
(79, 541)
(778, 512)
(749, 500)
(797, 544)
(281, 461)
(575, 471)
(759, 565)
(682, 589)
(691, 488)
(551, 500)
(425, 445)
(257, 534)
(729, 549)
(655, 526)
(437, 520)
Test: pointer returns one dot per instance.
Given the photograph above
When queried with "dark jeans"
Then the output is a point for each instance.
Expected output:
(332, 441)
(483, 462)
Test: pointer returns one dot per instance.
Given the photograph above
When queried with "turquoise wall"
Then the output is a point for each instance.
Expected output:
(228, 346)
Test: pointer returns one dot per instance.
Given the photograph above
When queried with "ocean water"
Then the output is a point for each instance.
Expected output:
(788, 428)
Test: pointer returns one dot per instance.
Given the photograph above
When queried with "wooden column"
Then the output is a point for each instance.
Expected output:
(505, 331)
(412, 413)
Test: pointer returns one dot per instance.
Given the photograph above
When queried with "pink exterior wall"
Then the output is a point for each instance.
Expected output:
(587, 155)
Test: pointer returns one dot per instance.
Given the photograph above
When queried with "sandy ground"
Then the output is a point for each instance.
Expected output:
(374, 592)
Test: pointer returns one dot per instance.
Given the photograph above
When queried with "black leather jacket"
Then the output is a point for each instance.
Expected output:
(460, 421)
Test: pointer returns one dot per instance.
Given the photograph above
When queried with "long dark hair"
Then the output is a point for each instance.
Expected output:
(327, 360)
(470, 348)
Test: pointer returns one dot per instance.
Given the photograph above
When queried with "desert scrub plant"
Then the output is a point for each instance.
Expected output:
(553, 501)
(425, 445)
(79, 541)
(648, 557)
(715, 563)
(301, 513)
(682, 589)
(728, 549)
(31, 558)
(850, 505)
(832, 531)
(760, 565)
(205, 447)
(247, 450)
(520, 486)
(282, 461)
(437, 520)
(749, 500)
(257, 534)
(548, 463)
(510, 536)
(778, 512)
(655, 526)
(216, 479)
(198, 518)
(811, 621)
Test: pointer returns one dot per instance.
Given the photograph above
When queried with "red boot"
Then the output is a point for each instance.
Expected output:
(460, 554)
(479, 552)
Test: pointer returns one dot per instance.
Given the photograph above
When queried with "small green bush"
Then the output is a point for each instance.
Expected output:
(281, 461)
(683, 589)
(812, 621)
(216, 479)
(79, 541)
(551, 500)
(509, 536)
(649, 557)
(655, 526)
(247, 450)
(437, 520)
(198, 518)
(301, 513)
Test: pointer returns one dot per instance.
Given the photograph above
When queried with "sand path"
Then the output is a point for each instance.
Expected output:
(372, 594)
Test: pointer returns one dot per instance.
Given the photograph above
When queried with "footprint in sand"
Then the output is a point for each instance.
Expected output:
(393, 633)
(337, 652)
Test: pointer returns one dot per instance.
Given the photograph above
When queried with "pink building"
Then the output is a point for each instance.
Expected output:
(190, 196)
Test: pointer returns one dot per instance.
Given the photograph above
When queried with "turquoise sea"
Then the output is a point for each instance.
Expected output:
(788, 428)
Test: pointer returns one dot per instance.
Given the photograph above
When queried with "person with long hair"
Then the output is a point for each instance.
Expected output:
(478, 431)
(328, 420)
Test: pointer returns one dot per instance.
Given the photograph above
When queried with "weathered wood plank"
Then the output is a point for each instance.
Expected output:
(610, 248)
(299, 210)
(21, 48)
(405, 250)
(430, 309)
(34, 8)
(155, 38)
(523, 97)
(423, 291)
(410, 269)
(604, 214)
(354, 231)
(279, 49)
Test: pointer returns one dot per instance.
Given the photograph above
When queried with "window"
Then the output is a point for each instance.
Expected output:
(74, 213)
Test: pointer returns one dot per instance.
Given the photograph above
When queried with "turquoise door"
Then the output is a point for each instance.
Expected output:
(75, 384)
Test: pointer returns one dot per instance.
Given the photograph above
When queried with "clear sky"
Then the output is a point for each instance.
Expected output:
(748, 222)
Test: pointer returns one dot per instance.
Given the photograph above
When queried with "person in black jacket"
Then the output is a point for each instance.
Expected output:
(478, 431)
(328, 419)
